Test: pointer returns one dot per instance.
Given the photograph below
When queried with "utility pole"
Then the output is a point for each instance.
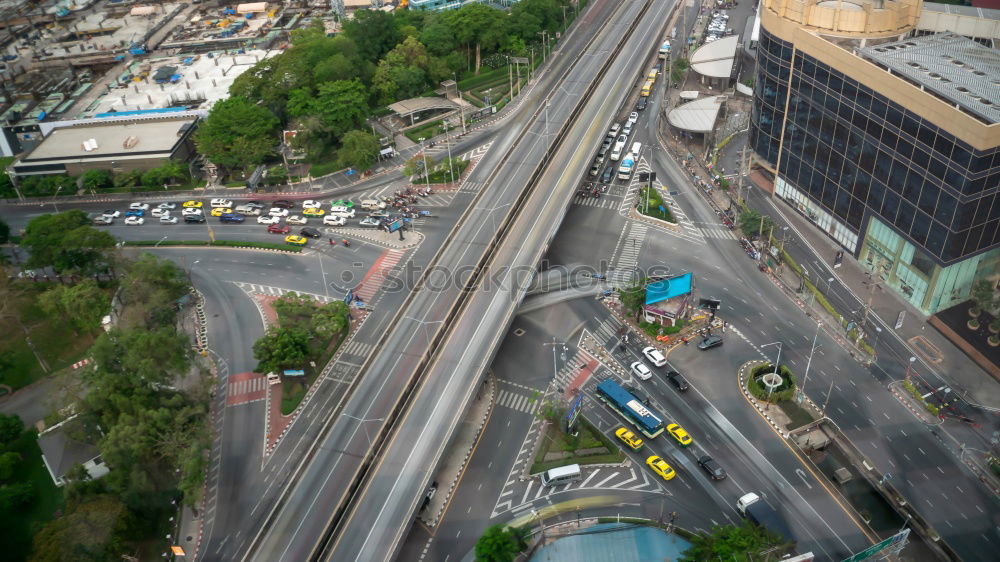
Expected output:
(802, 387)
(743, 170)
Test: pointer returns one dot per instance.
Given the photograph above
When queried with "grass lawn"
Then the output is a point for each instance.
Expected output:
(293, 389)
(443, 174)
(654, 204)
(55, 341)
(20, 524)
(588, 437)
(798, 415)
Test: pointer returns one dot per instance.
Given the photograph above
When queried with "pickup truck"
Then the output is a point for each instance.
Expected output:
(760, 513)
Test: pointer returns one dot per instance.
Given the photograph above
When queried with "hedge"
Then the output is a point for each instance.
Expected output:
(223, 243)
(787, 388)
(916, 394)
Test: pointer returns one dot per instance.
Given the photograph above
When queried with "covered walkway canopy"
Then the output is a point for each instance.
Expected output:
(697, 116)
(412, 106)
(715, 59)
(669, 288)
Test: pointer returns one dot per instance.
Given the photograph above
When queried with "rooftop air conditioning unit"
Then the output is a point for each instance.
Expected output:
(90, 145)
(130, 142)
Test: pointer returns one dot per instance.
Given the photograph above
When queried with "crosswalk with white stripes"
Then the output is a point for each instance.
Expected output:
(269, 290)
(520, 495)
(603, 202)
(471, 187)
(517, 401)
(358, 348)
(608, 329)
(687, 230)
(722, 233)
(437, 199)
(627, 258)
(380, 271)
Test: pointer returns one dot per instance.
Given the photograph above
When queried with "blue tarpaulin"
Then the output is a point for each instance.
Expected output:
(667, 289)
(294, 373)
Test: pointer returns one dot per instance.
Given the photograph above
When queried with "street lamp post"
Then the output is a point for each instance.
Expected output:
(828, 281)
(802, 388)
(423, 153)
(909, 366)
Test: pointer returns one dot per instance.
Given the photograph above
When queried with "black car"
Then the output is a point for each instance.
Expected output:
(677, 380)
(283, 204)
(310, 232)
(608, 172)
(194, 218)
(710, 342)
(642, 103)
(714, 469)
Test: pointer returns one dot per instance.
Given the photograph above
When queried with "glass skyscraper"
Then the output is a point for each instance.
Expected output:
(888, 143)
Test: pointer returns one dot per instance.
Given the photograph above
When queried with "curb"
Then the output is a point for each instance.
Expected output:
(902, 399)
(363, 234)
(465, 462)
(741, 374)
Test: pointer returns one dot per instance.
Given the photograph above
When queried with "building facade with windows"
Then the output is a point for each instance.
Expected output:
(887, 141)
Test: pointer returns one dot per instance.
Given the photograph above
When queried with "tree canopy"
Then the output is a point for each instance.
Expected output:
(500, 543)
(237, 133)
(82, 305)
(66, 242)
(729, 543)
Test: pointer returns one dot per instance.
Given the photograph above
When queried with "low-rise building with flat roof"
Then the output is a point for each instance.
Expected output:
(117, 146)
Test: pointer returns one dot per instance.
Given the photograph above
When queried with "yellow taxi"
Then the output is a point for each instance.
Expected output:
(219, 211)
(314, 212)
(295, 240)
(661, 467)
(679, 434)
(629, 438)
(192, 204)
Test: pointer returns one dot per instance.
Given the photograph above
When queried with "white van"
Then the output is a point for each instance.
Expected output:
(221, 203)
(372, 205)
(637, 149)
(248, 210)
(561, 475)
(616, 152)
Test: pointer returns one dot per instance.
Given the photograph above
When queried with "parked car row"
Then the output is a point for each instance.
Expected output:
(718, 27)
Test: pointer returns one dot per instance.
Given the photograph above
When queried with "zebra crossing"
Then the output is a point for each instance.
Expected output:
(608, 329)
(244, 388)
(358, 348)
(378, 273)
(269, 290)
(721, 233)
(626, 259)
(438, 199)
(519, 496)
(687, 232)
(517, 401)
(599, 203)
(471, 187)
(441, 147)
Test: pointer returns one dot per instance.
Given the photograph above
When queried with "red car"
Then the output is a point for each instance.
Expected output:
(278, 229)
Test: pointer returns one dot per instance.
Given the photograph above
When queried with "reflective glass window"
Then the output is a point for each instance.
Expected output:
(936, 238)
(921, 225)
(905, 217)
(928, 199)
(945, 209)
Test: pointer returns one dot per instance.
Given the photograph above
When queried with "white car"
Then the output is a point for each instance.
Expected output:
(167, 219)
(641, 371)
(335, 220)
(278, 212)
(112, 214)
(189, 211)
(654, 356)
(268, 220)
(310, 204)
(633, 117)
(134, 220)
(295, 219)
(158, 212)
(139, 206)
(167, 206)
(223, 203)
(343, 211)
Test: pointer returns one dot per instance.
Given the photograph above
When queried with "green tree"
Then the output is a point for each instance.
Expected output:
(982, 296)
(479, 25)
(281, 348)
(11, 428)
(163, 174)
(330, 320)
(499, 543)
(8, 464)
(752, 223)
(358, 149)
(89, 531)
(438, 37)
(341, 105)
(277, 175)
(729, 543)
(294, 310)
(82, 304)
(150, 290)
(373, 31)
(127, 179)
(97, 179)
(237, 133)
(633, 298)
(15, 494)
(67, 242)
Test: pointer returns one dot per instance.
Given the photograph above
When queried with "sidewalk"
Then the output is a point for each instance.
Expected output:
(933, 350)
